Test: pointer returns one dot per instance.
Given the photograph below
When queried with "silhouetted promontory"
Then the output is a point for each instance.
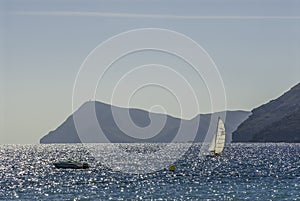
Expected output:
(116, 126)
(276, 121)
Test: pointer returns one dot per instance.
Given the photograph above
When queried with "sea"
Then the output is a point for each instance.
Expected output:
(263, 171)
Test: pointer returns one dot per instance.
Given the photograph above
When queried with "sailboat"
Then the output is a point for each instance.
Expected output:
(218, 141)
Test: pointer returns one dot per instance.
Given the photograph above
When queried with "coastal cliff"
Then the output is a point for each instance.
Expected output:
(275, 121)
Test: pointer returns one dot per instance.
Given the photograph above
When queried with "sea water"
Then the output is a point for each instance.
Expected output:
(243, 172)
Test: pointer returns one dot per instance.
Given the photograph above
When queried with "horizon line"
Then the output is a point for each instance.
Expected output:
(153, 16)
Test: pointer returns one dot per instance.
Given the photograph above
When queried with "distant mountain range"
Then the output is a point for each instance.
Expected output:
(116, 127)
(276, 121)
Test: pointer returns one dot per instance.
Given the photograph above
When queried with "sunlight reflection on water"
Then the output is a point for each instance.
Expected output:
(244, 172)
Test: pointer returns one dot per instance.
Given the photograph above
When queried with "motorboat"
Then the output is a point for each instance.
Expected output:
(69, 164)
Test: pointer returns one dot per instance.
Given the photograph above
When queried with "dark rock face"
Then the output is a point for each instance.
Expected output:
(116, 123)
(276, 121)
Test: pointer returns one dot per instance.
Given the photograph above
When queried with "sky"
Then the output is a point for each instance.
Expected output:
(255, 46)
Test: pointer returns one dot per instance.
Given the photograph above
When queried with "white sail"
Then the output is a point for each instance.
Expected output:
(218, 141)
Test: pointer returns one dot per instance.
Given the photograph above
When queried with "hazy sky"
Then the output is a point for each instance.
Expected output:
(255, 45)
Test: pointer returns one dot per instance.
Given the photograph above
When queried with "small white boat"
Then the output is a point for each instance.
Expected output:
(218, 142)
(69, 164)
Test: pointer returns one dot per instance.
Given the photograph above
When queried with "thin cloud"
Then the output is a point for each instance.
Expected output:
(152, 16)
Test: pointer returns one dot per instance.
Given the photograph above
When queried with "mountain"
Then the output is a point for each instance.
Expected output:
(97, 122)
(276, 121)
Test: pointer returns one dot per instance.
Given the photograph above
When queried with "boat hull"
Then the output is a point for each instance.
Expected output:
(71, 165)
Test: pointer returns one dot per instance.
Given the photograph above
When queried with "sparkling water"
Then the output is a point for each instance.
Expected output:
(243, 172)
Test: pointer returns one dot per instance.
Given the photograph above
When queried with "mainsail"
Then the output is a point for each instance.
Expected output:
(218, 142)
